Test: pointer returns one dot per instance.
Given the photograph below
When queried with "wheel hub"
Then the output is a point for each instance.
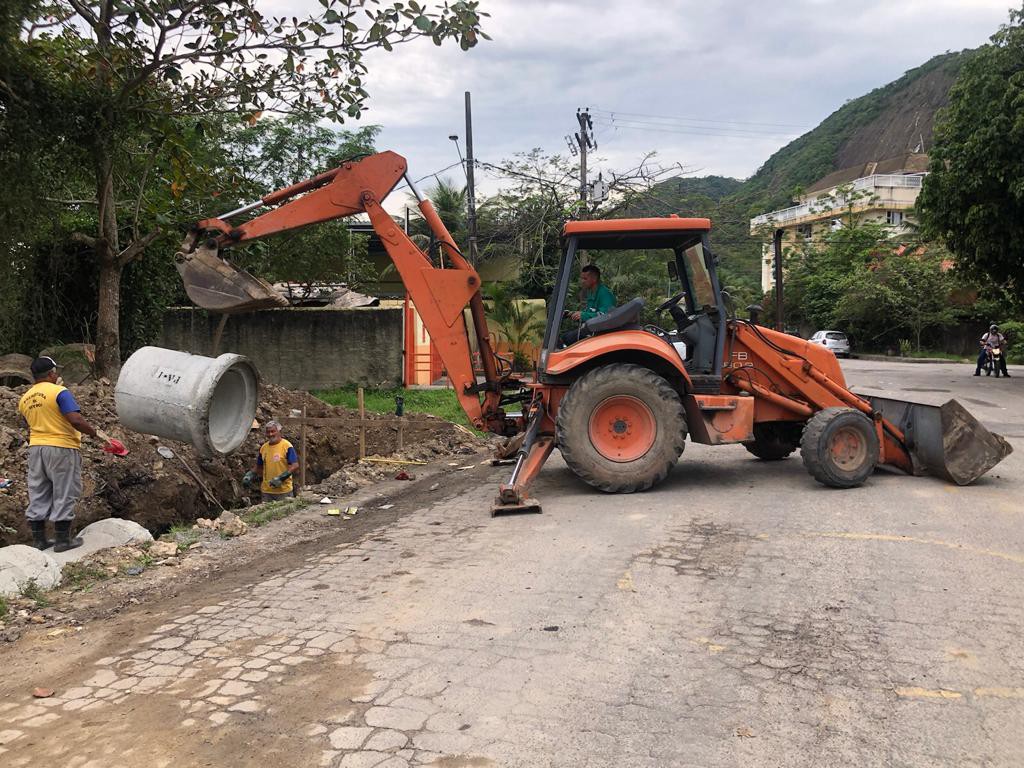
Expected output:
(848, 448)
(622, 428)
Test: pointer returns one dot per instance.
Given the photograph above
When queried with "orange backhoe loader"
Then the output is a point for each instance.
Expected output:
(620, 402)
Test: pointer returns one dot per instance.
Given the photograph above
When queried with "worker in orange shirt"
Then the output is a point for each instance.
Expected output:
(55, 425)
(275, 464)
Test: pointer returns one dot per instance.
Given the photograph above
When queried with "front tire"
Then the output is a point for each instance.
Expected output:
(839, 447)
(621, 428)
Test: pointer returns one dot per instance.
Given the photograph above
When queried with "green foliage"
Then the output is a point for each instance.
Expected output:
(857, 282)
(31, 590)
(1013, 330)
(107, 105)
(436, 402)
(272, 510)
(184, 535)
(3, 607)
(518, 323)
(82, 575)
(973, 198)
(905, 347)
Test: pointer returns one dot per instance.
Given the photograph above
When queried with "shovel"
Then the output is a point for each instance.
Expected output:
(167, 453)
(112, 445)
(944, 440)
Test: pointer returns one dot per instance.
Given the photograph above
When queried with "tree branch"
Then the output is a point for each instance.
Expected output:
(84, 239)
(134, 250)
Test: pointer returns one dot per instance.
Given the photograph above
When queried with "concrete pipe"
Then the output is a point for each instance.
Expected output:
(207, 402)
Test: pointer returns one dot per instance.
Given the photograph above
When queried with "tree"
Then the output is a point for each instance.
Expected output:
(973, 198)
(145, 72)
(517, 323)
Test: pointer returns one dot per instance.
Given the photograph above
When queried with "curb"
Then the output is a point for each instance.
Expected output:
(925, 360)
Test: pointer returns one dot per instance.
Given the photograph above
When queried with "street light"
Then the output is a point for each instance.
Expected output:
(455, 138)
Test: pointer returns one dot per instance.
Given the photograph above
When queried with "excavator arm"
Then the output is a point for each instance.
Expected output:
(359, 186)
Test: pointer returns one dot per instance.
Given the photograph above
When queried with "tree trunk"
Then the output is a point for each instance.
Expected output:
(108, 320)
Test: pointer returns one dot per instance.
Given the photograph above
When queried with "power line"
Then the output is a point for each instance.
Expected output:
(692, 131)
(700, 119)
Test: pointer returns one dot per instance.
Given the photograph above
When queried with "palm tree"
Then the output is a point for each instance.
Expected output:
(517, 324)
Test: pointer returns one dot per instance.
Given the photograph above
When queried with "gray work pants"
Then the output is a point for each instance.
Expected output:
(54, 482)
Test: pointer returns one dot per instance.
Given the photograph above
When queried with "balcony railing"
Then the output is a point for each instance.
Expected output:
(825, 204)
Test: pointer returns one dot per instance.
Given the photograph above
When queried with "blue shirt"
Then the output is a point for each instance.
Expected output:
(66, 402)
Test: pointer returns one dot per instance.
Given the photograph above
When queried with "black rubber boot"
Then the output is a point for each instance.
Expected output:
(39, 540)
(64, 540)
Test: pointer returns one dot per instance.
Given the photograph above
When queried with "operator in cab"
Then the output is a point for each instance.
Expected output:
(595, 299)
(275, 464)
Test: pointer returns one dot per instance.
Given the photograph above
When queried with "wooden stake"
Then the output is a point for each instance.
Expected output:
(401, 432)
(362, 424)
(302, 458)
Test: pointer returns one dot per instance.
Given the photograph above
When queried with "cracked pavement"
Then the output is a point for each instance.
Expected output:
(738, 615)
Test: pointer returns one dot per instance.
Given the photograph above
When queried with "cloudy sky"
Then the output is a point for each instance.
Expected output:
(738, 78)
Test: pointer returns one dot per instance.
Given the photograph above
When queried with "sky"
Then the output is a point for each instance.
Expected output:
(716, 87)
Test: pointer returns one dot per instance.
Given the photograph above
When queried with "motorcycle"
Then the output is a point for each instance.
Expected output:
(993, 359)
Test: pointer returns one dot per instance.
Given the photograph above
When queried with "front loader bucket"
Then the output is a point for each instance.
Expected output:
(215, 284)
(944, 440)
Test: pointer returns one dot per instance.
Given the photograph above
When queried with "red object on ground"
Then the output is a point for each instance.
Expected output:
(116, 447)
(403, 475)
(42, 693)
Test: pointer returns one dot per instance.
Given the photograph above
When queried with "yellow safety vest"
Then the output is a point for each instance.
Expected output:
(46, 424)
(275, 461)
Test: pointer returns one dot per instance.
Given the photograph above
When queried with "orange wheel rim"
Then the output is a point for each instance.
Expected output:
(622, 428)
(848, 447)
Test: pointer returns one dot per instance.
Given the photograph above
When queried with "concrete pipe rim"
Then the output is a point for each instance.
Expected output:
(231, 386)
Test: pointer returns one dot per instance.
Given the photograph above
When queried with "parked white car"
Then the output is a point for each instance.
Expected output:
(837, 341)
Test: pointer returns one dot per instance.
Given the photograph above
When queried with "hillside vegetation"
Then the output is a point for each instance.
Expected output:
(890, 120)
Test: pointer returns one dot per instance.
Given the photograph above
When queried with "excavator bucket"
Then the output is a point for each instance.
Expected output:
(944, 440)
(215, 284)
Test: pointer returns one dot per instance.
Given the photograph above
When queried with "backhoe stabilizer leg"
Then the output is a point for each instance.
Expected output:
(512, 497)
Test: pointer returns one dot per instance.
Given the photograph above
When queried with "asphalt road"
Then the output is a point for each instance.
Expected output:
(738, 615)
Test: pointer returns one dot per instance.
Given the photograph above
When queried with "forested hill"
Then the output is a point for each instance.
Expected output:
(889, 121)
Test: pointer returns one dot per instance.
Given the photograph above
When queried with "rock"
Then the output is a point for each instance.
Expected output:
(20, 564)
(42, 693)
(105, 534)
(231, 524)
(163, 549)
(205, 522)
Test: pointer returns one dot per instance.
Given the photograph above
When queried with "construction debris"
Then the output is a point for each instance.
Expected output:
(159, 493)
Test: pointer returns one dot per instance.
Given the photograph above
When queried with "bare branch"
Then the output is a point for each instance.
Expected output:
(135, 250)
(84, 239)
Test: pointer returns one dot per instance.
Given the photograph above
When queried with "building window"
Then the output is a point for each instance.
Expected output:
(894, 218)
(804, 231)
(837, 224)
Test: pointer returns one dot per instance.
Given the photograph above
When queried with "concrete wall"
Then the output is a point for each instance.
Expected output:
(301, 348)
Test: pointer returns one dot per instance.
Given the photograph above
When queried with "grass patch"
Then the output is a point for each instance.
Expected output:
(937, 355)
(272, 510)
(3, 606)
(184, 536)
(436, 402)
(142, 561)
(32, 591)
(82, 575)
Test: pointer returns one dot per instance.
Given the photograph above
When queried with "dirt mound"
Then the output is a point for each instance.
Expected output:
(158, 493)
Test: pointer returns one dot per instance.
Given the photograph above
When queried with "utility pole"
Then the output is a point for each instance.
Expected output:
(777, 251)
(470, 187)
(582, 142)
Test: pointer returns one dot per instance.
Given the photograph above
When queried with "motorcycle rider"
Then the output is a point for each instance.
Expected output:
(992, 339)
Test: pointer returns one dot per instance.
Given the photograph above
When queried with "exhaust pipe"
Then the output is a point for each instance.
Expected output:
(944, 440)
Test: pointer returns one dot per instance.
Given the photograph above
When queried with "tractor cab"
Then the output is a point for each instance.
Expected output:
(693, 319)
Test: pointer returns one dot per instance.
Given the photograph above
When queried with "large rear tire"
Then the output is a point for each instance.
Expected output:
(774, 440)
(839, 447)
(621, 428)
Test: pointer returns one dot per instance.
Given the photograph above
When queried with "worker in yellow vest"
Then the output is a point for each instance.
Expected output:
(55, 425)
(275, 464)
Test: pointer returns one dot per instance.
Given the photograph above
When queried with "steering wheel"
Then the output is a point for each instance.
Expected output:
(671, 302)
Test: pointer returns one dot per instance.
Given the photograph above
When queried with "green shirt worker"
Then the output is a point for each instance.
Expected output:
(275, 464)
(596, 300)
